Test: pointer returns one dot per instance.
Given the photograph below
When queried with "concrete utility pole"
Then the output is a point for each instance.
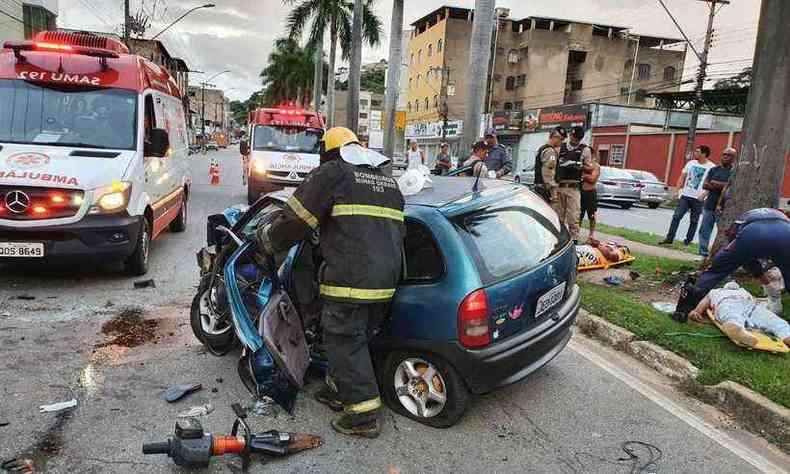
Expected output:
(443, 109)
(765, 150)
(318, 72)
(393, 76)
(127, 24)
(355, 67)
(479, 56)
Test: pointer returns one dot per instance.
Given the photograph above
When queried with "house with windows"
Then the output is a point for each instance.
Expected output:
(23, 19)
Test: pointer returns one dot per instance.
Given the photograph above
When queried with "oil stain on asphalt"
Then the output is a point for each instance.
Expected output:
(129, 329)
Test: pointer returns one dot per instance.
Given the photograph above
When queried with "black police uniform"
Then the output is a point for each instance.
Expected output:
(359, 211)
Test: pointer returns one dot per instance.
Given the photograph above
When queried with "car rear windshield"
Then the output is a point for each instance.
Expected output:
(614, 173)
(513, 236)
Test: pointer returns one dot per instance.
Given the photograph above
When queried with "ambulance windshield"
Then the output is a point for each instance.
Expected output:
(77, 117)
(285, 138)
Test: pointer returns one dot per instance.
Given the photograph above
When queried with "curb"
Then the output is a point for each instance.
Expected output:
(752, 410)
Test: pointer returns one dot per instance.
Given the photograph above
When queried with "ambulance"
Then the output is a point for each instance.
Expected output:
(93, 151)
(283, 148)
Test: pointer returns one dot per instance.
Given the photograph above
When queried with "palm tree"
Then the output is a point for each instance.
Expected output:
(479, 57)
(288, 75)
(337, 16)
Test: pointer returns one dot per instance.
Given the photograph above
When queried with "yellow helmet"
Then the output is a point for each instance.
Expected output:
(338, 137)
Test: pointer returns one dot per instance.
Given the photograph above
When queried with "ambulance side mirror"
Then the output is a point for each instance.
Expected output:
(244, 147)
(158, 143)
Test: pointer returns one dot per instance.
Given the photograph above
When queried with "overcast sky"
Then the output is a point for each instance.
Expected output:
(238, 34)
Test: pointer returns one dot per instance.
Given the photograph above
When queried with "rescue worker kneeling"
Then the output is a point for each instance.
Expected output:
(359, 210)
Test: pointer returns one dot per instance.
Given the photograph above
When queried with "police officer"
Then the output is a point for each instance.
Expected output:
(757, 234)
(359, 211)
(546, 165)
(572, 159)
(498, 159)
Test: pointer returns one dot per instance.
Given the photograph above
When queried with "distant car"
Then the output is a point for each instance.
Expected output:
(618, 186)
(212, 146)
(652, 192)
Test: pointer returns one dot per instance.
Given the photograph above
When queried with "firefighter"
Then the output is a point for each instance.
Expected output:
(359, 211)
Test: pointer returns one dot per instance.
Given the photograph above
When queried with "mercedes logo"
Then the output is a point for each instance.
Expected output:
(17, 202)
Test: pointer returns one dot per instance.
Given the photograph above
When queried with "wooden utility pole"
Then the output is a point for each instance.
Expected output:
(393, 76)
(355, 68)
(765, 151)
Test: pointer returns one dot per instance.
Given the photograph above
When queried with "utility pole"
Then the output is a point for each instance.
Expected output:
(479, 57)
(318, 72)
(127, 24)
(354, 70)
(393, 76)
(203, 86)
(443, 109)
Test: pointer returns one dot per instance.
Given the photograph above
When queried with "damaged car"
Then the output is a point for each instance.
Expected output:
(488, 296)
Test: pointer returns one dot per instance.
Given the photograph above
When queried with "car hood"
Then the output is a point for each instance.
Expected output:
(62, 167)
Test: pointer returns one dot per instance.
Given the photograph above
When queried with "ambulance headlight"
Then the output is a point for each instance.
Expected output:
(111, 199)
(259, 166)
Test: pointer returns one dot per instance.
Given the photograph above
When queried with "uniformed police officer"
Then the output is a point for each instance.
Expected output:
(359, 210)
(546, 165)
(572, 159)
(498, 159)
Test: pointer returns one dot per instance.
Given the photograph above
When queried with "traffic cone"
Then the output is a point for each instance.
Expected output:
(213, 172)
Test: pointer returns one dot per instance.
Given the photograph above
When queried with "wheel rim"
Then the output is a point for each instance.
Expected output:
(210, 322)
(184, 212)
(420, 388)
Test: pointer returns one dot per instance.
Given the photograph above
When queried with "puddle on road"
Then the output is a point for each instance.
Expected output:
(129, 329)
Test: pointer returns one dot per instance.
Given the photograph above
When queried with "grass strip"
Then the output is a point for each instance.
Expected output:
(643, 237)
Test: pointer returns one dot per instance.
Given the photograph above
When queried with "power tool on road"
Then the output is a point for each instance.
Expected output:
(193, 448)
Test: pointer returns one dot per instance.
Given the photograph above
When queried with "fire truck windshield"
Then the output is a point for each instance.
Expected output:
(284, 138)
(58, 116)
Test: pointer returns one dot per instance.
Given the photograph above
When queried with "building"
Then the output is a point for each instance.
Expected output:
(23, 19)
(213, 107)
(371, 112)
(537, 62)
(157, 53)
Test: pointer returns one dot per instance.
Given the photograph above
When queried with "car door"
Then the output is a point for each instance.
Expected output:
(155, 167)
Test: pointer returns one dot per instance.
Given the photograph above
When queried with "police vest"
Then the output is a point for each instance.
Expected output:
(570, 163)
(539, 164)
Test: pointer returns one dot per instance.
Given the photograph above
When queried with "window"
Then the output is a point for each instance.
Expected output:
(410, 81)
(576, 85)
(427, 103)
(375, 103)
(513, 56)
(439, 46)
(363, 102)
(419, 57)
(424, 261)
(363, 115)
(416, 105)
(435, 101)
(510, 83)
(624, 91)
(669, 73)
(629, 64)
(521, 80)
(518, 105)
(508, 106)
(408, 107)
(511, 237)
(430, 50)
(418, 79)
(411, 61)
(363, 130)
(428, 75)
(288, 139)
(643, 72)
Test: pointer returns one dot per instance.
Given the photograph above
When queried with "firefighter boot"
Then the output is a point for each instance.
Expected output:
(365, 425)
(328, 397)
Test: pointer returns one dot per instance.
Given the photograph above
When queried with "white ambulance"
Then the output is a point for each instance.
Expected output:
(93, 151)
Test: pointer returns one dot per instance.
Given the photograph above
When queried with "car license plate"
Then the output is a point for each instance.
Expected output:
(550, 300)
(21, 250)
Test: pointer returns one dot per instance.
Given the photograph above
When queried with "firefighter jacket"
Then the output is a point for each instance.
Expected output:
(358, 211)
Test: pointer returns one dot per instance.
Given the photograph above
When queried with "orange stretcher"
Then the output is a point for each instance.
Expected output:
(592, 258)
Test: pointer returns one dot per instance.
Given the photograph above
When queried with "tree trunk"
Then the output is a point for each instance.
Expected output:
(393, 76)
(318, 71)
(330, 91)
(354, 69)
(765, 144)
(479, 57)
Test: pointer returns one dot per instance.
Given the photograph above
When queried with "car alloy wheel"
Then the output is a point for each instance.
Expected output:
(420, 388)
(210, 321)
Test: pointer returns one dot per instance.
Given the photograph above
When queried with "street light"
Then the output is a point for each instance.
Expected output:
(208, 5)
(203, 101)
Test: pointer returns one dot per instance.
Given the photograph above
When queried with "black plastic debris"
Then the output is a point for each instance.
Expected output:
(144, 284)
(26, 297)
(177, 392)
(3, 424)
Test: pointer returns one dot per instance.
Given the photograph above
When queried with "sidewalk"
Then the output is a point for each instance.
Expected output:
(644, 248)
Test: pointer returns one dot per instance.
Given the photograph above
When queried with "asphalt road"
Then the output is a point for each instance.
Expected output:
(571, 417)
(654, 221)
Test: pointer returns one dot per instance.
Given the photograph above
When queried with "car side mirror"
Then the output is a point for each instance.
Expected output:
(158, 143)
(244, 147)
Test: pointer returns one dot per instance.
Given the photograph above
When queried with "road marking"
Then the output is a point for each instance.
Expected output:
(686, 416)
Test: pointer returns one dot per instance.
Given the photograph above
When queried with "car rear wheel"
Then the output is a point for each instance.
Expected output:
(626, 205)
(137, 263)
(425, 388)
(653, 205)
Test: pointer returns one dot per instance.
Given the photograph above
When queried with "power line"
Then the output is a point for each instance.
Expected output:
(12, 17)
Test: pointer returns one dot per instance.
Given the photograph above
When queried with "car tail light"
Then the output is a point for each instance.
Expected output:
(473, 329)
(609, 183)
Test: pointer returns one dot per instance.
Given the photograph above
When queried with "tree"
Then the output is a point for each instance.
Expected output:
(742, 79)
(289, 74)
(372, 81)
(337, 14)
(479, 56)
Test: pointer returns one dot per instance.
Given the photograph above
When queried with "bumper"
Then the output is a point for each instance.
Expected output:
(513, 359)
(655, 198)
(617, 198)
(94, 236)
(264, 186)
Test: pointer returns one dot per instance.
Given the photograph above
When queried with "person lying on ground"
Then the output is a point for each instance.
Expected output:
(738, 312)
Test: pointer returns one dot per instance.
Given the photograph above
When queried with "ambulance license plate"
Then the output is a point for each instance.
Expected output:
(21, 250)
(550, 300)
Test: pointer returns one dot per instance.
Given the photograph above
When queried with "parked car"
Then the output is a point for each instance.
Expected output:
(618, 186)
(652, 192)
(212, 146)
(488, 295)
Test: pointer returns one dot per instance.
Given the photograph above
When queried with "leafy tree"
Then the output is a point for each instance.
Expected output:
(372, 81)
(288, 75)
(742, 79)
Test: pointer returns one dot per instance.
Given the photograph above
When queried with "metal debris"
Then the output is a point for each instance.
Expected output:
(144, 284)
(201, 410)
(60, 406)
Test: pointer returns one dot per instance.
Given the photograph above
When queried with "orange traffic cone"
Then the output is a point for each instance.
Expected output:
(213, 172)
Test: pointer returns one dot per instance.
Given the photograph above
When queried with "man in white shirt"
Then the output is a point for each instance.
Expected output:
(414, 156)
(691, 194)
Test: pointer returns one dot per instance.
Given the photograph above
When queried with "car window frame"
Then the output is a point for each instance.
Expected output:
(412, 282)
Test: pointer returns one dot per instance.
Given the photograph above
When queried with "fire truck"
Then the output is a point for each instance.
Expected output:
(283, 148)
(93, 150)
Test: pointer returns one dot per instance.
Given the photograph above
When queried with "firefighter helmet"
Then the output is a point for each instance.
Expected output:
(338, 137)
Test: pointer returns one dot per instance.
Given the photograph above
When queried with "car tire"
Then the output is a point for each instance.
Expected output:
(217, 340)
(653, 205)
(446, 382)
(626, 205)
(137, 263)
(179, 224)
